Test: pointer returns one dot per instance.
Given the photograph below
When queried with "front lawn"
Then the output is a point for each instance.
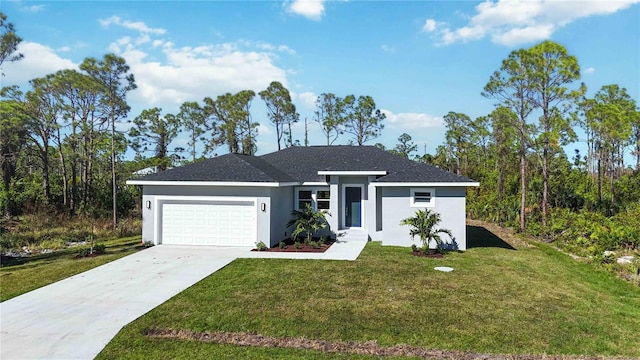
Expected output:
(500, 299)
(21, 275)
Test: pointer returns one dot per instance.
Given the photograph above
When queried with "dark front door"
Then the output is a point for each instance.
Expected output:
(353, 208)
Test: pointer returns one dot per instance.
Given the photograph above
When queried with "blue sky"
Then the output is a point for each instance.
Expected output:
(418, 60)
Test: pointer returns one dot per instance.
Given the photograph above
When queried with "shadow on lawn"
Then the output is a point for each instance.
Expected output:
(479, 237)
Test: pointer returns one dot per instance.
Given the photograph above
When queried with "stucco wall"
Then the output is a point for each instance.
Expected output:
(281, 206)
(449, 202)
(154, 194)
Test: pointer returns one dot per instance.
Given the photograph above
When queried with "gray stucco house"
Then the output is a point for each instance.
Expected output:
(240, 200)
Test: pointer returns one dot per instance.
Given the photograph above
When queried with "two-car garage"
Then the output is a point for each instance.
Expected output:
(218, 222)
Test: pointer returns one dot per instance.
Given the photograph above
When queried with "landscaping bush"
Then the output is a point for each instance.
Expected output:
(261, 246)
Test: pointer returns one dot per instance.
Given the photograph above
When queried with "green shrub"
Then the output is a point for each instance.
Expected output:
(261, 246)
(314, 244)
(414, 248)
(84, 252)
(147, 244)
(99, 248)
(297, 245)
(282, 245)
(53, 244)
(324, 239)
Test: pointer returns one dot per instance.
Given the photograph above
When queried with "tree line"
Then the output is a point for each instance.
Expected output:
(61, 147)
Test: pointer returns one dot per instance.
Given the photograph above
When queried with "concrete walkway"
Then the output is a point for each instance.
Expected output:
(76, 317)
(348, 246)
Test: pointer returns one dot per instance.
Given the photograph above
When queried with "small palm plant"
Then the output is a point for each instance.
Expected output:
(307, 221)
(423, 224)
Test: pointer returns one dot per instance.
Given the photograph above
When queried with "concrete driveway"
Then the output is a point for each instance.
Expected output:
(76, 317)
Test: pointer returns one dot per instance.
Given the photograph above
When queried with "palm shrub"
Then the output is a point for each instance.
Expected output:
(306, 221)
(423, 224)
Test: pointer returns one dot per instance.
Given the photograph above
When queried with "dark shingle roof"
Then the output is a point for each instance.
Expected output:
(302, 163)
(229, 167)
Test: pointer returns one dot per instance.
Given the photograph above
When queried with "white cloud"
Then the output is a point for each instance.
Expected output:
(515, 22)
(178, 74)
(411, 121)
(589, 70)
(308, 99)
(39, 60)
(388, 49)
(311, 9)
(132, 25)
(65, 49)
(429, 25)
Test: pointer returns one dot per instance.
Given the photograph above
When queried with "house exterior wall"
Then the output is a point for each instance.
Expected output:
(155, 194)
(449, 202)
(281, 205)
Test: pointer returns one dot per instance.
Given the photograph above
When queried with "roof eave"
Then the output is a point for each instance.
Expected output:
(211, 183)
(427, 184)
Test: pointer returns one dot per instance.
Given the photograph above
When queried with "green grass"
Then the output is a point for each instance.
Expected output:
(531, 300)
(26, 274)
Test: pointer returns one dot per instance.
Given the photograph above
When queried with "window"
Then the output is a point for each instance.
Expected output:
(304, 198)
(323, 200)
(318, 198)
(423, 198)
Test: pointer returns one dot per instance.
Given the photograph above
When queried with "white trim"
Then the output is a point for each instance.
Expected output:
(315, 183)
(427, 184)
(343, 206)
(330, 172)
(212, 183)
(157, 213)
(430, 204)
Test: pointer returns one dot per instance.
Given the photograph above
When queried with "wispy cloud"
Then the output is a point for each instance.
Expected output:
(132, 25)
(388, 49)
(589, 70)
(412, 121)
(515, 22)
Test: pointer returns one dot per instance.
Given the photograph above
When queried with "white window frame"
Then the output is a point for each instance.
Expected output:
(314, 196)
(422, 204)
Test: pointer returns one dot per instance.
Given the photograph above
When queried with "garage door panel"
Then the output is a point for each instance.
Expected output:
(213, 223)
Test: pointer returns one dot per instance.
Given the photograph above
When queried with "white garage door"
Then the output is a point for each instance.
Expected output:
(223, 223)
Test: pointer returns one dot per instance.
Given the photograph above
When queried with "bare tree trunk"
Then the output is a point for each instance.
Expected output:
(113, 174)
(523, 186)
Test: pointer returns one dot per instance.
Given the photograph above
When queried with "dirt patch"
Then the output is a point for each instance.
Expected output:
(349, 347)
(508, 236)
(290, 246)
(429, 254)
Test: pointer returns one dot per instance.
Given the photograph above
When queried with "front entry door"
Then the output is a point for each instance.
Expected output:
(352, 206)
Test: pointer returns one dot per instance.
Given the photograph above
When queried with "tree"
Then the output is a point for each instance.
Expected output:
(193, 119)
(609, 115)
(280, 110)
(8, 41)
(230, 122)
(405, 146)
(365, 121)
(13, 133)
(511, 86)
(112, 74)
(151, 132)
(504, 143)
(423, 224)
(458, 138)
(331, 114)
(551, 69)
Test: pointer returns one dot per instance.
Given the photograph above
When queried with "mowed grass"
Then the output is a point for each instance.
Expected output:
(28, 274)
(501, 300)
